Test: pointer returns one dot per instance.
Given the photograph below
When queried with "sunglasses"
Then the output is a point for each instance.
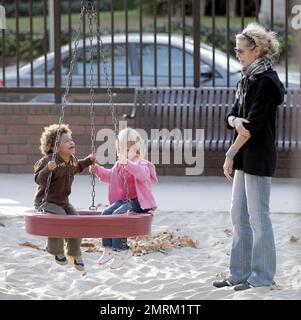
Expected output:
(241, 52)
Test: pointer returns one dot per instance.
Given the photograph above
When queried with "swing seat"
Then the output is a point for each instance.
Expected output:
(88, 224)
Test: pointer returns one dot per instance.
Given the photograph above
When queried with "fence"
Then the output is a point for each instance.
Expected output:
(158, 47)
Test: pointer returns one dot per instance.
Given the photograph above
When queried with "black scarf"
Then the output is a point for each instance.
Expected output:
(259, 66)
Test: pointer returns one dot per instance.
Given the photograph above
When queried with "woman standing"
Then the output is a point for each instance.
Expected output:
(253, 156)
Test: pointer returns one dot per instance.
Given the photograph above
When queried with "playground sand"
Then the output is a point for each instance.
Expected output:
(170, 272)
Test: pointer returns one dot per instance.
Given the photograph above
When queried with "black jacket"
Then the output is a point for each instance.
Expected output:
(258, 156)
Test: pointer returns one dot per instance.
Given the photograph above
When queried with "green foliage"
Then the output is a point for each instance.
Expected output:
(9, 50)
(220, 37)
(176, 7)
(162, 7)
(38, 6)
(23, 10)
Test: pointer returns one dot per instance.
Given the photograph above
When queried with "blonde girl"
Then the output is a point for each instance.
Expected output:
(130, 187)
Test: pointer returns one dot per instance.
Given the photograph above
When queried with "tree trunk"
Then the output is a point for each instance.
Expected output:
(176, 7)
(265, 11)
(232, 8)
(203, 7)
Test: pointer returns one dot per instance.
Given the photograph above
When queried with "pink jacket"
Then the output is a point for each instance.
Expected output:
(144, 173)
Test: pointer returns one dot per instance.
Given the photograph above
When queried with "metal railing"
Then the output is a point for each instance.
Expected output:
(130, 64)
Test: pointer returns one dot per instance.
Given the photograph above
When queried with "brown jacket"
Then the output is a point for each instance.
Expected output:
(61, 180)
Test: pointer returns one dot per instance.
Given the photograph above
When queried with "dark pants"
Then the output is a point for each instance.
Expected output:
(120, 207)
(56, 245)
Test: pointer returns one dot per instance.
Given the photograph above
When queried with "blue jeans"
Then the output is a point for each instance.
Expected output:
(253, 253)
(120, 207)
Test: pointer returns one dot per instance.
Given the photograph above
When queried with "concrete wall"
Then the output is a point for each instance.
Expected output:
(21, 127)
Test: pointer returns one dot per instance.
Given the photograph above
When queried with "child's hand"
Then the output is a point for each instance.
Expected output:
(93, 158)
(92, 169)
(51, 165)
(132, 153)
(122, 158)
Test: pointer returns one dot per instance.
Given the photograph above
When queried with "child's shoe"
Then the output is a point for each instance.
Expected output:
(77, 262)
(60, 259)
(120, 258)
(106, 256)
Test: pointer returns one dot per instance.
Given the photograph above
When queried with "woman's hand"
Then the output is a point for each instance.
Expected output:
(51, 165)
(228, 168)
(238, 125)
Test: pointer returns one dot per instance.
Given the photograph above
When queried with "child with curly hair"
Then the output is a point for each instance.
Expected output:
(63, 169)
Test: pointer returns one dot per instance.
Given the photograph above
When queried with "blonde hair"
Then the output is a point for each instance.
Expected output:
(131, 137)
(49, 135)
(257, 35)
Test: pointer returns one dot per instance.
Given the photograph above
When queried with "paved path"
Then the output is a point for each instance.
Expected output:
(172, 194)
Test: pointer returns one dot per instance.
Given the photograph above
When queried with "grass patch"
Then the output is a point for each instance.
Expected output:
(119, 22)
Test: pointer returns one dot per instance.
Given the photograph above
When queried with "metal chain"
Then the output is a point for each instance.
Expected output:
(68, 84)
(91, 17)
(113, 111)
(88, 6)
(108, 84)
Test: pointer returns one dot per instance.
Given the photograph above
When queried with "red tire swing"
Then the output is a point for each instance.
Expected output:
(88, 224)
